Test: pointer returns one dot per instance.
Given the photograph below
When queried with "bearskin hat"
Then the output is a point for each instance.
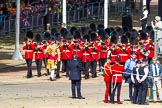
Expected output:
(100, 27)
(119, 31)
(134, 33)
(103, 35)
(124, 39)
(72, 29)
(76, 34)
(128, 34)
(47, 36)
(86, 37)
(92, 26)
(112, 29)
(113, 39)
(114, 33)
(133, 41)
(62, 31)
(67, 35)
(53, 31)
(83, 30)
(57, 36)
(29, 34)
(107, 30)
(143, 36)
(93, 36)
(38, 38)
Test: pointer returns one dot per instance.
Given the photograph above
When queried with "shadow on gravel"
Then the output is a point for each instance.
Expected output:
(16, 68)
(5, 55)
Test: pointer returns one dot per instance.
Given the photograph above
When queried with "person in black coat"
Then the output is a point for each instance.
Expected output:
(75, 68)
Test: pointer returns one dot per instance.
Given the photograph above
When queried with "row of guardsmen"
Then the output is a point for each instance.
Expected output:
(56, 51)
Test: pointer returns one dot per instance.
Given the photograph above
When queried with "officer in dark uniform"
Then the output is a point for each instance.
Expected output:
(75, 68)
(135, 82)
(142, 82)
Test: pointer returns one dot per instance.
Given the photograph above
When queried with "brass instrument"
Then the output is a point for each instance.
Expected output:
(86, 44)
(29, 41)
(113, 46)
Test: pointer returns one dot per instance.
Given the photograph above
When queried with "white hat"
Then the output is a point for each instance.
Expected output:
(157, 18)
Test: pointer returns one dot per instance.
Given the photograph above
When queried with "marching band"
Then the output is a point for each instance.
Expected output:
(93, 49)
(110, 48)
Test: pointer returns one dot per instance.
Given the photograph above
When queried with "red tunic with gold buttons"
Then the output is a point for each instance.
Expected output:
(29, 49)
(86, 54)
(124, 54)
(103, 52)
(39, 51)
(117, 71)
(77, 50)
(95, 51)
(114, 54)
(66, 51)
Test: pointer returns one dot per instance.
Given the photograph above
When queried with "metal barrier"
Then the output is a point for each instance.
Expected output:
(86, 12)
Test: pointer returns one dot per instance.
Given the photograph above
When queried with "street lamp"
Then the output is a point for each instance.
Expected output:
(106, 3)
(17, 55)
(64, 12)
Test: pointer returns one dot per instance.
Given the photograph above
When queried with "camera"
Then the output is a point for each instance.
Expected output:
(154, 22)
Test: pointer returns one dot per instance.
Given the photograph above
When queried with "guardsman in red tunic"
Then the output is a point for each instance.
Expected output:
(113, 50)
(107, 79)
(150, 50)
(95, 57)
(28, 47)
(117, 71)
(77, 49)
(66, 55)
(124, 51)
(103, 54)
(86, 59)
(140, 51)
(39, 53)
(142, 45)
(94, 47)
(104, 47)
